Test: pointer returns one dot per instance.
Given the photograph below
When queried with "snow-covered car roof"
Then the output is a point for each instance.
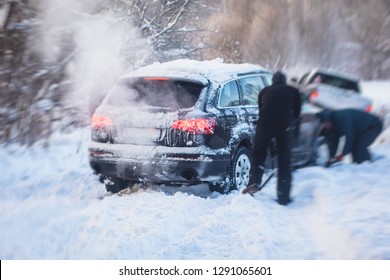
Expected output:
(203, 71)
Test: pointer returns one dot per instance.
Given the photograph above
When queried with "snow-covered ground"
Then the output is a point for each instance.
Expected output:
(52, 207)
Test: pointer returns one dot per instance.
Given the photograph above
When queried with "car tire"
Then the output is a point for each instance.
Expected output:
(238, 172)
(240, 168)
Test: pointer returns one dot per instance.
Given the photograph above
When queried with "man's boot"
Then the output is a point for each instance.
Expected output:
(283, 192)
(251, 189)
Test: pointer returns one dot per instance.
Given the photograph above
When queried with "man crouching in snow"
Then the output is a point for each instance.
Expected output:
(359, 128)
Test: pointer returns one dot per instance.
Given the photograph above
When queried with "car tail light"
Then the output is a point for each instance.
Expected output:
(314, 94)
(196, 126)
(99, 121)
(369, 108)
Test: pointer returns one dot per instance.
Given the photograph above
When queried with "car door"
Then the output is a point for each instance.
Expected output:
(250, 86)
(231, 112)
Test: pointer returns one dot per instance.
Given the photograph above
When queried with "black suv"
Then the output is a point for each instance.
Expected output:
(185, 122)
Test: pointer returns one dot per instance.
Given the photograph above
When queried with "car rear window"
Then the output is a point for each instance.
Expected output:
(155, 92)
(336, 81)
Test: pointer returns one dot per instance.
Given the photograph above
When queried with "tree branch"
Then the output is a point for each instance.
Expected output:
(172, 23)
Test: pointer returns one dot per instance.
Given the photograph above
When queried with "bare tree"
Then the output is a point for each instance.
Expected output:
(42, 54)
(229, 30)
(368, 24)
(174, 27)
(348, 35)
(42, 46)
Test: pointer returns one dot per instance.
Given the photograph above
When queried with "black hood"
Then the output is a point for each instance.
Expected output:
(279, 78)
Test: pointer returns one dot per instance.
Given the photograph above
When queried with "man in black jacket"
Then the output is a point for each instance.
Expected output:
(279, 108)
(359, 128)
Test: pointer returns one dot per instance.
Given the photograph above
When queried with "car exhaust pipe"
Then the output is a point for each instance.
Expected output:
(189, 175)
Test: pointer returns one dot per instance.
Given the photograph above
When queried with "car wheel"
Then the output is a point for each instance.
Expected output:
(239, 172)
(240, 168)
(114, 185)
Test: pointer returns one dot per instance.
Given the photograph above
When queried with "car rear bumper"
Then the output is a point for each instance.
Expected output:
(158, 164)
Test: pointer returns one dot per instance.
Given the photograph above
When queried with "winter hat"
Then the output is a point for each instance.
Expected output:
(324, 116)
(279, 78)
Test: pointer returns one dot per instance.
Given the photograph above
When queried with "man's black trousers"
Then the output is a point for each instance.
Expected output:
(283, 137)
(360, 151)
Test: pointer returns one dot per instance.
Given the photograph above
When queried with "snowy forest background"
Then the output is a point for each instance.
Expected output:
(58, 58)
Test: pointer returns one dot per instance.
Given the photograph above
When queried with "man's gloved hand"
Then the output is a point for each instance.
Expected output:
(334, 160)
